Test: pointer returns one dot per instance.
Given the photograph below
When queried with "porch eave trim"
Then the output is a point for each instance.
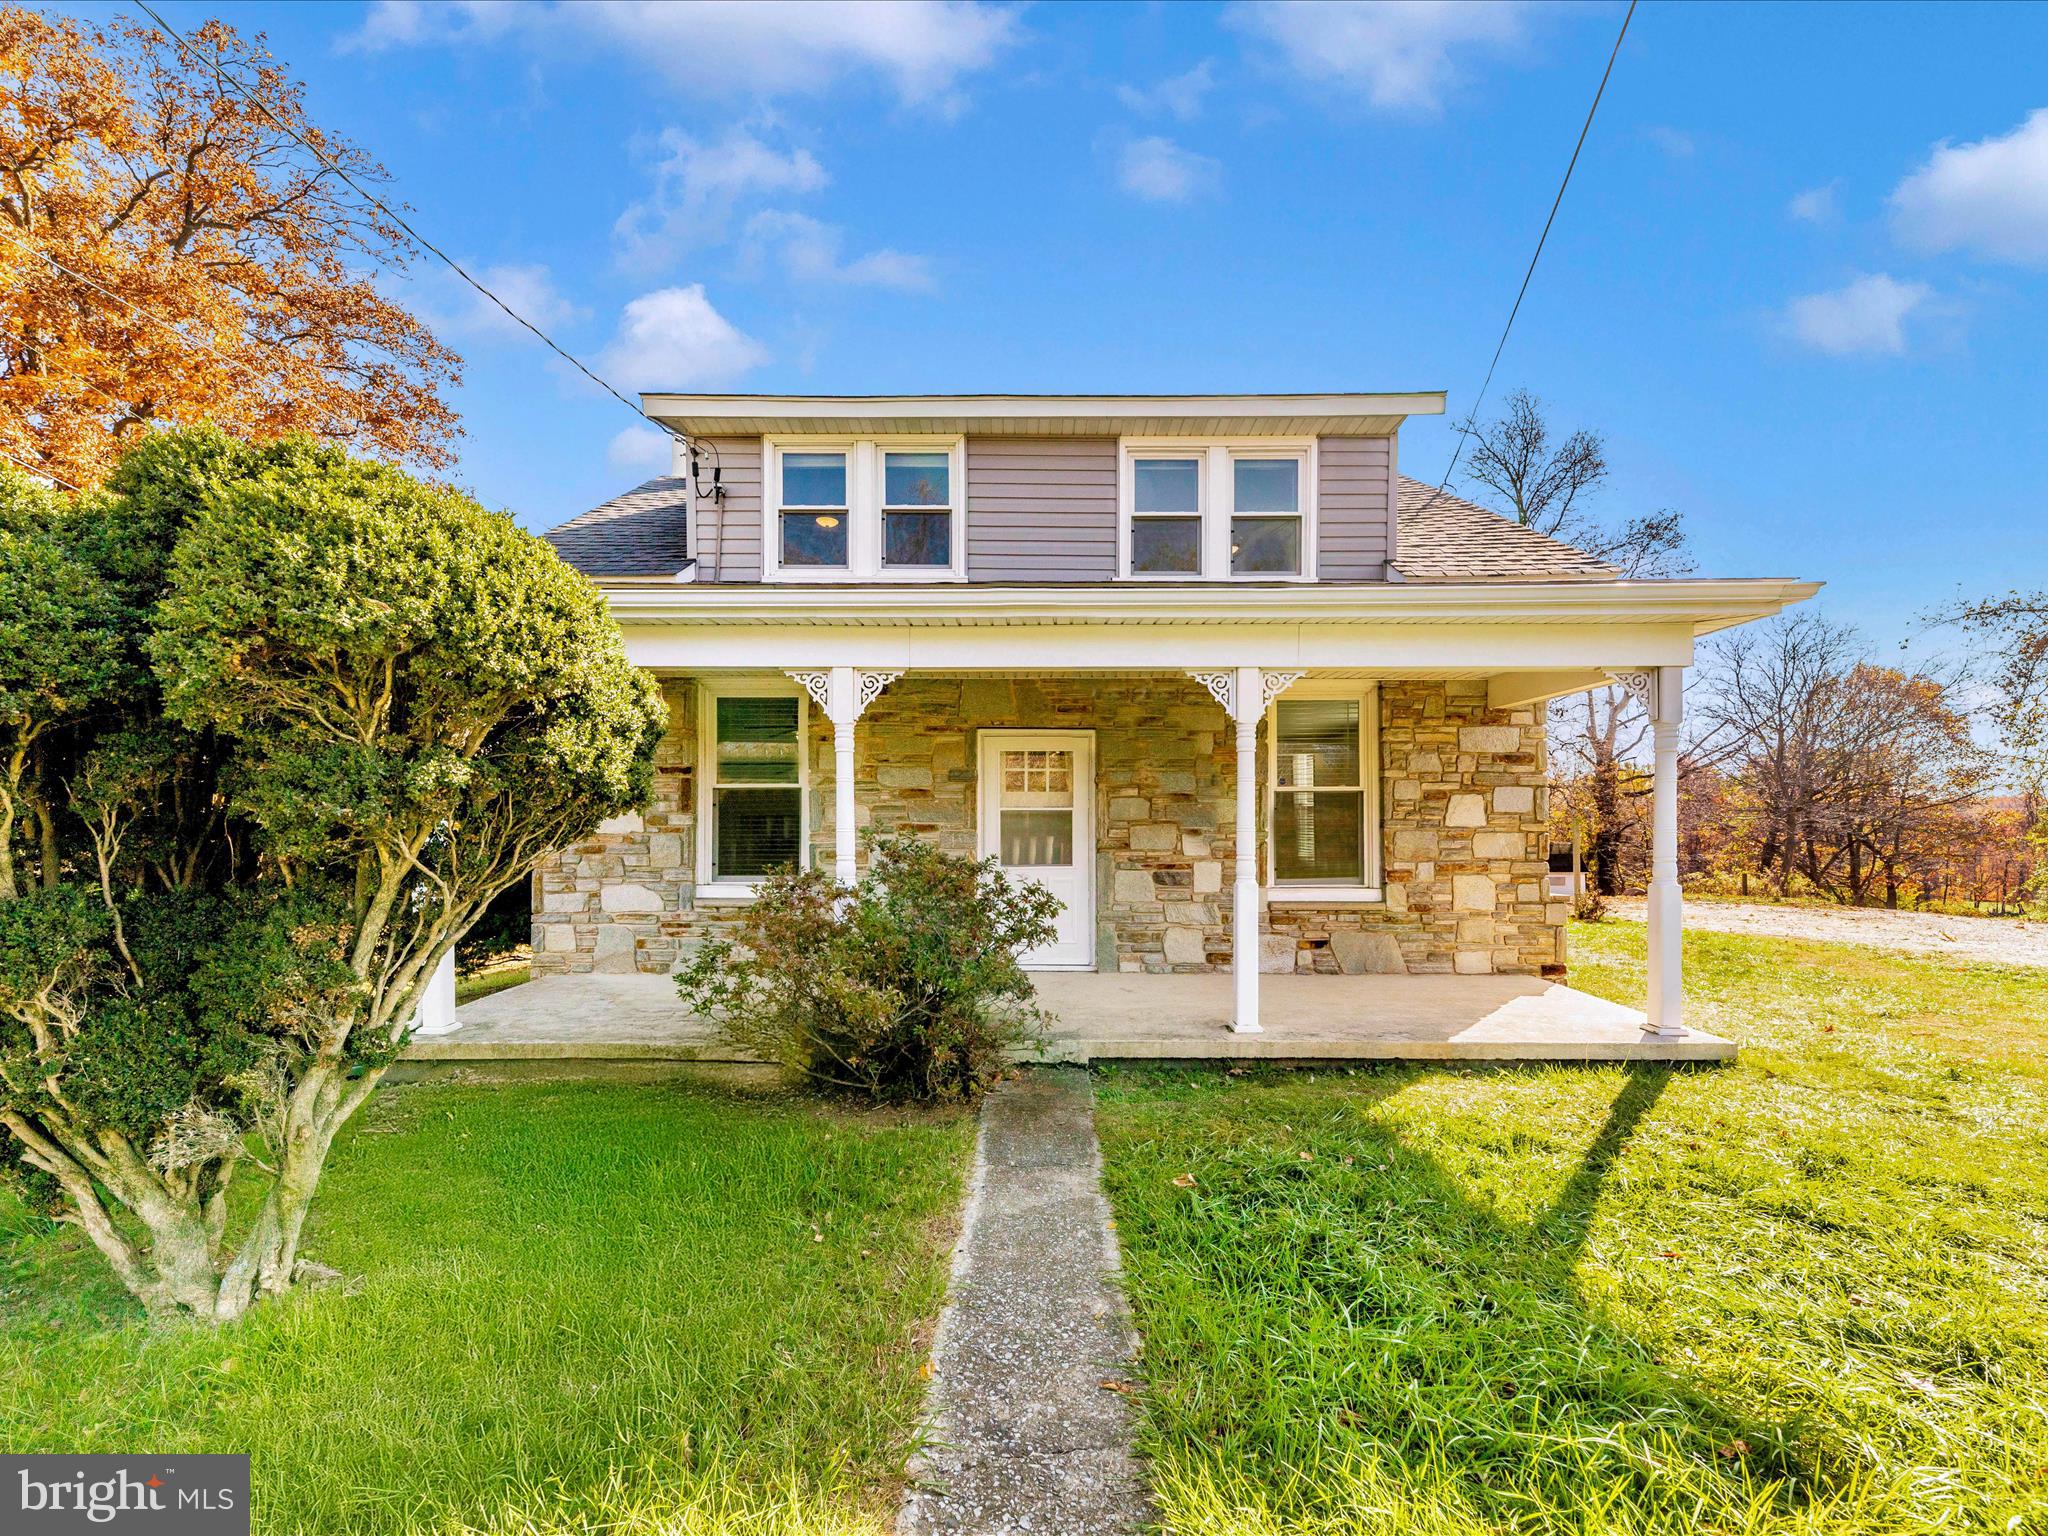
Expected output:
(1707, 605)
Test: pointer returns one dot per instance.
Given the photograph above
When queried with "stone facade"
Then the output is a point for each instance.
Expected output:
(1463, 808)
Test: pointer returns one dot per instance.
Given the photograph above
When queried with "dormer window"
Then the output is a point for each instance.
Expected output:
(1265, 516)
(1218, 510)
(917, 510)
(1166, 516)
(816, 515)
(863, 509)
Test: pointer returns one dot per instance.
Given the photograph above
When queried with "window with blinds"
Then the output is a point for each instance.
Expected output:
(1319, 777)
(756, 786)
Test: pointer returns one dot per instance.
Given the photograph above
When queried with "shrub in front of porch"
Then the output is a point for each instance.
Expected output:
(906, 987)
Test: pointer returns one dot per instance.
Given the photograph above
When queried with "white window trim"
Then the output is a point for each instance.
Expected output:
(709, 692)
(1286, 893)
(864, 486)
(1217, 501)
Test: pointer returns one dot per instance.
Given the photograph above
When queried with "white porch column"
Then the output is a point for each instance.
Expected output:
(436, 1012)
(843, 693)
(1244, 694)
(1662, 690)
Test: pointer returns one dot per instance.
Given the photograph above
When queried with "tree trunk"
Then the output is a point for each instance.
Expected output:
(267, 1260)
(1606, 848)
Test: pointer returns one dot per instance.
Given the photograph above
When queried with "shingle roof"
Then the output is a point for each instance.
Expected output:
(1444, 538)
(641, 533)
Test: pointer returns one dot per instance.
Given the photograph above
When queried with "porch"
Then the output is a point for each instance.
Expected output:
(1122, 1016)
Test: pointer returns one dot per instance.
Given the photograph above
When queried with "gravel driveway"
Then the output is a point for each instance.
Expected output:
(2008, 941)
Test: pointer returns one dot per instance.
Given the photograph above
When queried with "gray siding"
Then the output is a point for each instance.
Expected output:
(1355, 512)
(1041, 509)
(1044, 509)
(728, 542)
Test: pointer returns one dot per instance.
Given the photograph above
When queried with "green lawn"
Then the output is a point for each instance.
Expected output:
(567, 1306)
(1806, 1293)
(497, 978)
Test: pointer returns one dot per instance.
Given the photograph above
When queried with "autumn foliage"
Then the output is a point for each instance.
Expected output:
(169, 254)
(1809, 770)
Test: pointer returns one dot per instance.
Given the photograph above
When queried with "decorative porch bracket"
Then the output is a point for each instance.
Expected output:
(1661, 692)
(1244, 693)
(843, 694)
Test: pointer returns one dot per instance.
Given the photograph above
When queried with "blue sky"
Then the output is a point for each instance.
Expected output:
(1800, 280)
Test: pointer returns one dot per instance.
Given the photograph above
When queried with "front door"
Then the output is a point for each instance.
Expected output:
(1037, 804)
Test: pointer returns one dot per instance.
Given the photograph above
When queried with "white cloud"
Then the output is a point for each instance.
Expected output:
(673, 339)
(1817, 205)
(1180, 96)
(1160, 171)
(1866, 315)
(698, 185)
(412, 23)
(530, 290)
(759, 48)
(809, 252)
(1399, 52)
(639, 448)
(1675, 142)
(1989, 198)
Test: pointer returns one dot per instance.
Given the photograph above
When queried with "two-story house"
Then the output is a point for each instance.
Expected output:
(1208, 667)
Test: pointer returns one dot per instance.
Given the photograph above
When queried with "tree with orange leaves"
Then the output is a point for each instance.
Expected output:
(170, 254)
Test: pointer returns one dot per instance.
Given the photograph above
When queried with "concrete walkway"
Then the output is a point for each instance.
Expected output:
(1024, 1436)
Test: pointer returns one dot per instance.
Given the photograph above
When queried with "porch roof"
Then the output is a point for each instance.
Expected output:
(1702, 605)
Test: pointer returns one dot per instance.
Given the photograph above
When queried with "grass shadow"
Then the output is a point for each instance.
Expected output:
(1338, 1322)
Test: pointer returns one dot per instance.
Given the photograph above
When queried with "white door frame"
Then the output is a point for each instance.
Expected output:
(992, 740)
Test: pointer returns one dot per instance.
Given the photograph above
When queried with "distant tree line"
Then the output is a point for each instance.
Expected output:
(1809, 766)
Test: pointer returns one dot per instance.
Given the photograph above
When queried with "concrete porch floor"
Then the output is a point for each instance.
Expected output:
(1125, 1017)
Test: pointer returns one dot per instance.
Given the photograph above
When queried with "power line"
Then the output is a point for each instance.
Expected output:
(38, 471)
(1465, 432)
(221, 73)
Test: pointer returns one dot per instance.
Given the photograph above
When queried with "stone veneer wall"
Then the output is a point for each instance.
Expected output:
(1463, 816)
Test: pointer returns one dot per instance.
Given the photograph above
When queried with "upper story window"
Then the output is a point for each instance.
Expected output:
(1218, 509)
(917, 510)
(816, 515)
(864, 509)
(1166, 516)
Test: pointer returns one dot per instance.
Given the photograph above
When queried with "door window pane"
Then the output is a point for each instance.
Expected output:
(1166, 485)
(1038, 839)
(1316, 743)
(1265, 545)
(814, 480)
(757, 741)
(1319, 835)
(1166, 544)
(916, 480)
(814, 538)
(1038, 778)
(917, 538)
(1266, 485)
